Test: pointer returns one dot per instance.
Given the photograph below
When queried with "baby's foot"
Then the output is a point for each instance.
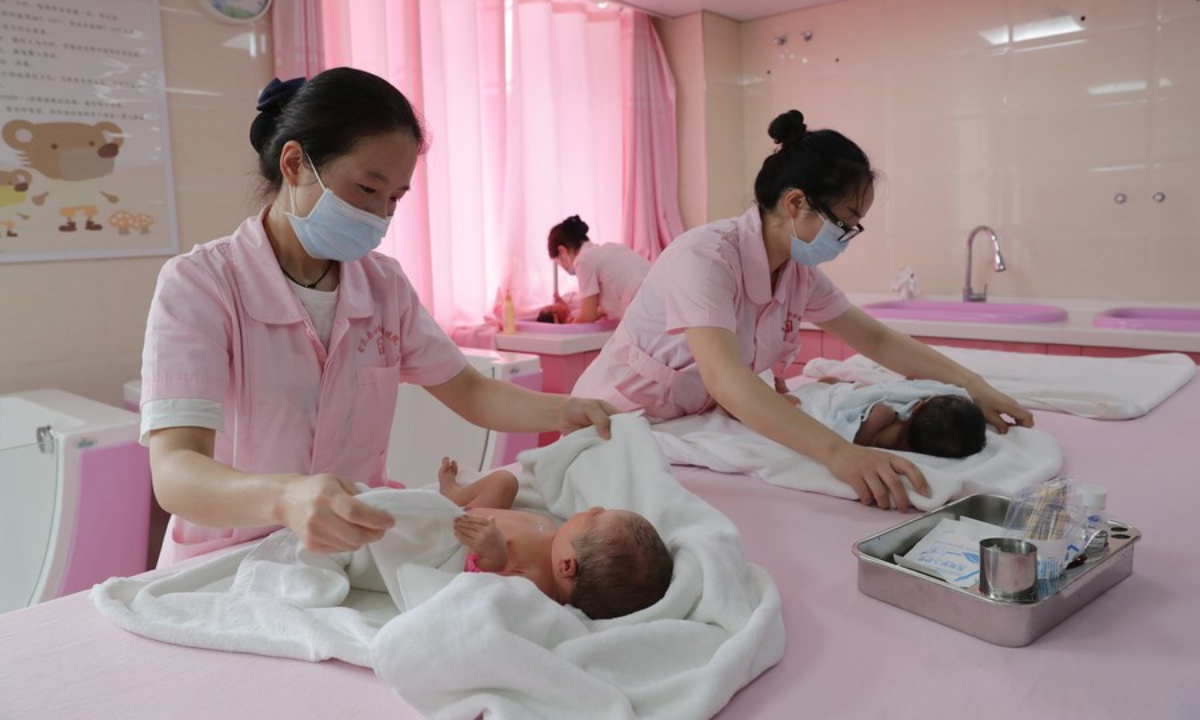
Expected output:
(448, 476)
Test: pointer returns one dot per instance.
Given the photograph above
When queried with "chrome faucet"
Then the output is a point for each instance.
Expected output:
(969, 294)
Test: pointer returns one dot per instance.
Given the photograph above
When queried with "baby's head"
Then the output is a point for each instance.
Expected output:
(557, 313)
(610, 563)
(950, 426)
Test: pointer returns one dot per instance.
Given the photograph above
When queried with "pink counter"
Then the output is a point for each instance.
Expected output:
(1132, 653)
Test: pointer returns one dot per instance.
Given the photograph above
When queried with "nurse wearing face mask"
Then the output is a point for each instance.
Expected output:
(724, 302)
(272, 356)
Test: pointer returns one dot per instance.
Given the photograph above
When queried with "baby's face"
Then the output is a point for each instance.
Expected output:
(607, 522)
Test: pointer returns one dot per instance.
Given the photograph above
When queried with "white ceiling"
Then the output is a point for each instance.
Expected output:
(735, 9)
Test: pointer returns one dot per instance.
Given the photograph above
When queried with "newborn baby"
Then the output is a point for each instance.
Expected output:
(921, 416)
(607, 563)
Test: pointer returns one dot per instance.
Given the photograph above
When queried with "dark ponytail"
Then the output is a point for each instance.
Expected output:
(570, 233)
(825, 164)
(327, 115)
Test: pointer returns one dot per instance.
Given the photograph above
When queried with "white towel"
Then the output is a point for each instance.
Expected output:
(1092, 387)
(717, 441)
(468, 643)
(276, 598)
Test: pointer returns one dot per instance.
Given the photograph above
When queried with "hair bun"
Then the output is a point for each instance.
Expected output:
(575, 225)
(271, 102)
(788, 128)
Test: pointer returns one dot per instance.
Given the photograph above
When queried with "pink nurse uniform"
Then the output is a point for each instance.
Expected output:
(612, 271)
(712, 276)
(224, 326)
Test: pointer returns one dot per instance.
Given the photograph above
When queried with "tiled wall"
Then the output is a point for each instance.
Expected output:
(1033, 136)
(78, 325)
(723, 109)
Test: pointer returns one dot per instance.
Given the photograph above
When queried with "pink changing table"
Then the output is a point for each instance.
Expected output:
(1134, 652)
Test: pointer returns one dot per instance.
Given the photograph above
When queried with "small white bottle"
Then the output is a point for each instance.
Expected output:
(1094, 498)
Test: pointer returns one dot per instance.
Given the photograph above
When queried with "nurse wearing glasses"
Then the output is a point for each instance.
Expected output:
(724, 303)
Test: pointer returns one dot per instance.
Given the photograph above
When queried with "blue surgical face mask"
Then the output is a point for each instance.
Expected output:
(826, 246)
(336, 230)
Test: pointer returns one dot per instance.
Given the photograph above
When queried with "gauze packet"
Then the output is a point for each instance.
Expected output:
(950, 550)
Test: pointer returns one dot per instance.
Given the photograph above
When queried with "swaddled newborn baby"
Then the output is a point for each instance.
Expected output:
(605, 562)
(921, 416)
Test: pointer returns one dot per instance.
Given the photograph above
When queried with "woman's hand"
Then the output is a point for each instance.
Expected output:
(579, 413)
(782, 388)
(482, 537)
(996, 405)
(325, 515)
(562, 311)
(874, 475)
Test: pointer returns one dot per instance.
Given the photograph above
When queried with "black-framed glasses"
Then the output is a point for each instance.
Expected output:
(848, 232)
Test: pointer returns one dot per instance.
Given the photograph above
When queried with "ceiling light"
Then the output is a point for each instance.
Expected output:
(1062, 25)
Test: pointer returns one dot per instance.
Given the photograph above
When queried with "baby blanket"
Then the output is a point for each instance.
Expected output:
(717, 441)
(843, 406)
(456, 645)
(1099, 388)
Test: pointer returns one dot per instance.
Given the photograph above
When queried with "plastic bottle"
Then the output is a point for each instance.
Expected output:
(510, 314)
(1094, 498)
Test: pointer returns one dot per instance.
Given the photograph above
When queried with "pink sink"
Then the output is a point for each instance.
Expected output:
(954, 311)
(1133, 318)
(531, 325)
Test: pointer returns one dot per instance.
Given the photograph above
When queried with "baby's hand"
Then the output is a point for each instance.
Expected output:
(483, 538)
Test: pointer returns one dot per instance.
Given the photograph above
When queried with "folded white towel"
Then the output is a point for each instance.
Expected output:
(470, 643)
(1092, 387)
(718, 441)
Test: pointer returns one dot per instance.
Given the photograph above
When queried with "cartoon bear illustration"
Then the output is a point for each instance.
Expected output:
(14, 184)
(73, 157)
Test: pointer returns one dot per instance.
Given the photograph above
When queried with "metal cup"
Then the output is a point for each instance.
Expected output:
(1008, 569)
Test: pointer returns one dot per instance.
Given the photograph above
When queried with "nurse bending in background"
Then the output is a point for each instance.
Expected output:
(724, 302)
(609, 274)
(273, 356)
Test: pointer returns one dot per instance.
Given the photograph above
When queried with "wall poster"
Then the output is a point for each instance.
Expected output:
(85, 165)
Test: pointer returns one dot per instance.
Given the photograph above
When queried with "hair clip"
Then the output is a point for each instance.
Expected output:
(277, 93)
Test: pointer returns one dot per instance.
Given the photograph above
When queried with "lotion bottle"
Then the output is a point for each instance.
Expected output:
(510, 314)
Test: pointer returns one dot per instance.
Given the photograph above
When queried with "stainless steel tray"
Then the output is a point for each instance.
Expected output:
(965, 609)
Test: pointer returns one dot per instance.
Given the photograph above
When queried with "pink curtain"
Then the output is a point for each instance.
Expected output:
(529, 105)
(296, 28)
(651, 179)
